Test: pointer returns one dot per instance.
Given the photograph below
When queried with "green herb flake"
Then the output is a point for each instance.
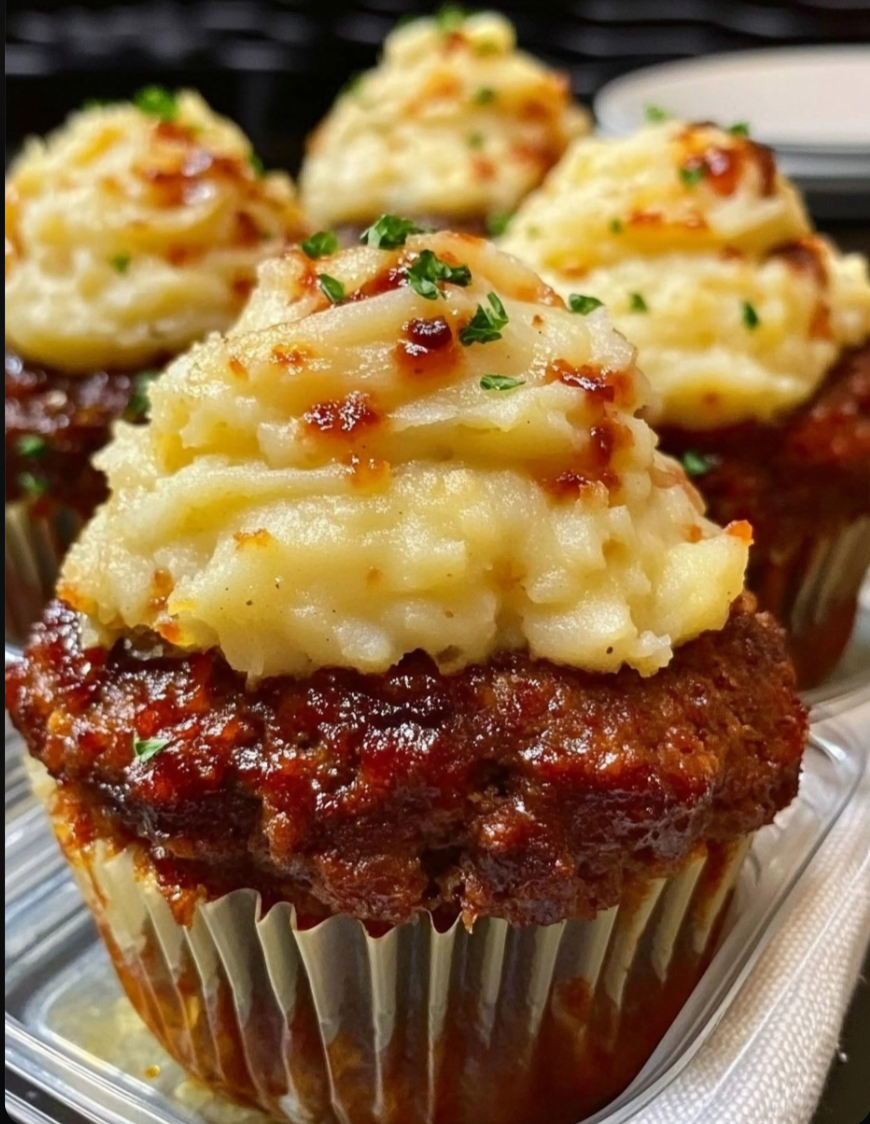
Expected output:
(331, 287)
(500, 382)
(751, 319)
(655, 114)
(636, 303)
(255, 162)
(485, 95)
(157, 101)
(616, 226)
(486, 324)
(389, 232)
(428, 270)
(120, 262)
(146, 748)
(353, 85)
(498, 222)
(450, 18)
(582, 304)
(32, 485)
(476, 141)
(692, 174)
(139, 403)
(739, 129)
(696, 464)
(31, 446)
(320, 245)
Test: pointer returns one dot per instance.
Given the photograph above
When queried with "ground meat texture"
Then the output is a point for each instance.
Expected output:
(813, 464)
(797, 482)
(71, 416)
(517, 789)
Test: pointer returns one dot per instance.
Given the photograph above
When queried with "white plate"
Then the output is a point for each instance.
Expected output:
(814, 98)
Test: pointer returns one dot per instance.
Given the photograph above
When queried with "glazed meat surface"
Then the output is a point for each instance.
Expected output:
(516, 789)
(814, 465)
(54, 424)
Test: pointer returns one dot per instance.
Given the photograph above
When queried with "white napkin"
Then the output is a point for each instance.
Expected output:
(768, 1058)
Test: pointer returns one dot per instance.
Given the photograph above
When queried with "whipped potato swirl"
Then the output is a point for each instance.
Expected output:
(706, 260)
(455, 122)
(414, 448)
(132, 232)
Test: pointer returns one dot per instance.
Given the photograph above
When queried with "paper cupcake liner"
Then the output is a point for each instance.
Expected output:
(38, 534)
(499, 1025)
(813, 589)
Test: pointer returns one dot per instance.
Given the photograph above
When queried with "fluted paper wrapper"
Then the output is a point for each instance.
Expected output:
(38, 534)
(813, 589)
(415, 1026)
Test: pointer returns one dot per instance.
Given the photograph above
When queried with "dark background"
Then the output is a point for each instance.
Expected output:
(276, 65)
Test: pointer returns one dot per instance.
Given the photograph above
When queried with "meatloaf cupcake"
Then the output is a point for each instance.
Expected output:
(755, 333)
(132, 231)
(453, 128)
(405, 722)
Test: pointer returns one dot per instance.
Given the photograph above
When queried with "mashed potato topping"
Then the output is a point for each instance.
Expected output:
(455, 121)
(706, 260)
(414, 448)
(134, 230)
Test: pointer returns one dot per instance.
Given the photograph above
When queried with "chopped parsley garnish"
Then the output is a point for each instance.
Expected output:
(584, 305)
(319, 245)
(352, 85)
(157, 102)
(486, 95)
(256, 163)
(616, 226)
(331, 287)
(476, 140)
(636, 303)
(389, 232)
(655, 114)
(696, 464)
(31, 445)
(692, 174)
(500, 382)
(139, 402)
(146, 748)
(32, 484)
(751, 319)
(451, 17)
(120, 262)
(428, 270)
(486, 324)
(498, 222)
(739, 129)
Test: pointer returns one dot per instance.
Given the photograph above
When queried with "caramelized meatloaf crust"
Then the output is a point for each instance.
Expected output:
(811, 467)
(70, 416)
(517, 789)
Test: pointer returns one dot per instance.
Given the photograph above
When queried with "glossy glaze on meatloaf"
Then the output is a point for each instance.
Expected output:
(55, 423)
(813, 465)
(518, 789)
(802, 484)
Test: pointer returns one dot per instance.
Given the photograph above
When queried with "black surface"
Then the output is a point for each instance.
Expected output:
(275, 67)
(846, 1099)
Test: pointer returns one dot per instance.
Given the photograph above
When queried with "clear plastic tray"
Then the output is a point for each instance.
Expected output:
(74, 1043)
